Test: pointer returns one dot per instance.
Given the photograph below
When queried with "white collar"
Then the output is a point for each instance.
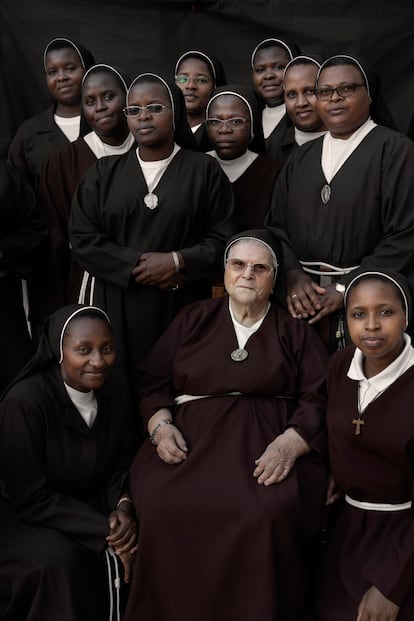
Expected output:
(335, 151)
(355, 137)
(102, 149)
(274, 111)
(271, 118)
(243, 333)
(236, 167)
(84, 402)
(390, 374)
(302, 137)
(158, 163)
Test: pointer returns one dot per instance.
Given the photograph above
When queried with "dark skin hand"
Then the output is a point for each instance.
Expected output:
(305, 298)
(158, 269)
(123, 536)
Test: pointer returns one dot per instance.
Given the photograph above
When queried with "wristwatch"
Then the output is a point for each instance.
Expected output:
(340, 288)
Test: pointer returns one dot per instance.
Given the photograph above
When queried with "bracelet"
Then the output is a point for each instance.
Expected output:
(124, 499)
(176, 261)
(167, 421)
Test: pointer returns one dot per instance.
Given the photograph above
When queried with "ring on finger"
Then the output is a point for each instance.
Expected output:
(294, 295)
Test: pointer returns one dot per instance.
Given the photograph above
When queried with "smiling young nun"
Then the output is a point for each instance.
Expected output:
(66, 442)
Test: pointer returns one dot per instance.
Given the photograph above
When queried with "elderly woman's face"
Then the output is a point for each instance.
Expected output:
(343, 115)
(253, 285)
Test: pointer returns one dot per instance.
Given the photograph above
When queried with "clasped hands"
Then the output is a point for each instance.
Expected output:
(123, 537)
(305, 298)
(158, 269)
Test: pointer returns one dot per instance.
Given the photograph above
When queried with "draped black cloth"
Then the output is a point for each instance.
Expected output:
(23, 231)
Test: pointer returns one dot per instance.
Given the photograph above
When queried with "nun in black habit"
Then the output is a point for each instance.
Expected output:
(104, 91)
(65, 63)
(235, 130)
(150, 226)
(346, 199)
(268, 61)
(197, 74)
(65, 448)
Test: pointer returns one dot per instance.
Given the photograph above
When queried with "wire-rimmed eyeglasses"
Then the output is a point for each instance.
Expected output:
(236, 122)
(151, 109)
(239, 267)
(185, 79)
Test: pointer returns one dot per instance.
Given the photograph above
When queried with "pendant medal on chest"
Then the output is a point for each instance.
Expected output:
(238, 355)
(151, 200)
(326, 194)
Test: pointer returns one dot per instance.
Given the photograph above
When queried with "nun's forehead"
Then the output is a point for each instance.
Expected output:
(249, 241)
(197, 57)
(229, 98)
(157, 86)
(271, 45)
(389, 280)
(339, 67)
(56, 45)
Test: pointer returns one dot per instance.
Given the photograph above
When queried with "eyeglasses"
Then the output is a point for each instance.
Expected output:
(234, 123)
(239, 267)
(343, 90)
(184, 79)
(151, 109)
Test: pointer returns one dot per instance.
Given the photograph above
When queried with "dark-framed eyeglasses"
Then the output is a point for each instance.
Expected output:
(343, 90)
(239, 267)
(184, 79)
(236, 122)
(151, 109)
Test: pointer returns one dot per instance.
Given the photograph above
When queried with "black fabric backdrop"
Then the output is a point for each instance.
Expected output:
(149, 36)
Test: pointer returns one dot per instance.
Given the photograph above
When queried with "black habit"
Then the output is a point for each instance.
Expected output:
(32, 144)
(63, 479)
(369, 219)
(110, 227)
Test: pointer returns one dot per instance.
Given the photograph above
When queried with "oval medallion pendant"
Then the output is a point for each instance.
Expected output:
(151, 200)
(238, 355)
(326, 194)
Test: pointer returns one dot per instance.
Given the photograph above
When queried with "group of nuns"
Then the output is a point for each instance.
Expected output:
(117, 205)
